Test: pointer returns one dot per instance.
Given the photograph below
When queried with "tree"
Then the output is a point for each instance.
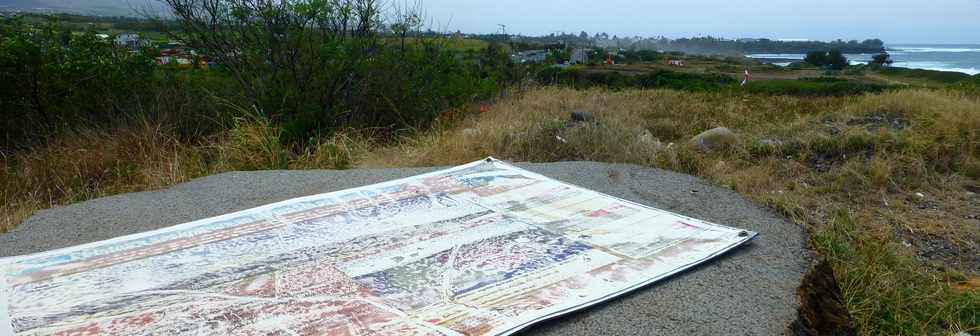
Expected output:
(874, 42)
(320, 65)
(817, 58)
(288, 55)
(882, 59)
(51, 77)
(834, 59)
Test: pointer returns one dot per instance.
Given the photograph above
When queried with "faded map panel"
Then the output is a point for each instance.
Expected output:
(481, 249)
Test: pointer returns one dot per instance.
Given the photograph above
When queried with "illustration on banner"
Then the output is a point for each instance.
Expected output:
(480, 249)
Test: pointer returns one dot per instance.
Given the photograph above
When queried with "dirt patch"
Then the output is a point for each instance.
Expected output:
(924, 202)
(823, 162)
(963, 256)
(822, 310)
(972, 203)
(960, 250)
(955, 247)
(875, 121)
(970, 284)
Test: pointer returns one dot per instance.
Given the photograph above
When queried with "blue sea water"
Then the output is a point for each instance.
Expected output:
(963, 58)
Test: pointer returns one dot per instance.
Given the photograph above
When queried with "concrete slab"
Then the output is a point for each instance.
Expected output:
(750, 291)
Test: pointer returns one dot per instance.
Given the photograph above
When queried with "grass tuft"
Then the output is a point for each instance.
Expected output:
(91, 164)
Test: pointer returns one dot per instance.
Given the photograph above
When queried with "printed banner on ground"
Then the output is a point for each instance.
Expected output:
(480, 249)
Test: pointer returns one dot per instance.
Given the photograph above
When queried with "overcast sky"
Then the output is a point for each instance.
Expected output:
(895, 21)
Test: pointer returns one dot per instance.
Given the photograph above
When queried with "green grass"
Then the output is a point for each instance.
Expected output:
(814, 87)
(945, 77)
(888, 292)
(585, 77)
(462, 45)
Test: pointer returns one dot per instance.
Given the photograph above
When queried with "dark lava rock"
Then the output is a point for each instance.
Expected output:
(877, 120)
(822, 310)
(582, 117)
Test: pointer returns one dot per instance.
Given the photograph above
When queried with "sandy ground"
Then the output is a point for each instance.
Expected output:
(749, 291)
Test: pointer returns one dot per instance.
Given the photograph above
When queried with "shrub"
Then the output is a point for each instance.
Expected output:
(882, 59)
(823, 86)
(817, 58)
(53, 81)
(685, 81)
(946, 77)
(548, 75)
(582, 79)
(315, 65)
(832, 60)
(50, 78)
(641, 56)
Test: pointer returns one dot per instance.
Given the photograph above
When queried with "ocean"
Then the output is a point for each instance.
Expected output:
(963, 58)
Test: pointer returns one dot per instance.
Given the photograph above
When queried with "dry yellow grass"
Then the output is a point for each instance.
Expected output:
(91, 164)
(847, 168)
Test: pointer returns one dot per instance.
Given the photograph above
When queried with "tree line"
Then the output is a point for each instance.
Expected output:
(696, 45)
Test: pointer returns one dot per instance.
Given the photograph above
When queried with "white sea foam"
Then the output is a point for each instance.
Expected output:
(934, 50)
(906, 57)
(777, 56)
(938, 66)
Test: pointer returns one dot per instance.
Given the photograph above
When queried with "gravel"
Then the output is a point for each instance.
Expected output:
(749, 291)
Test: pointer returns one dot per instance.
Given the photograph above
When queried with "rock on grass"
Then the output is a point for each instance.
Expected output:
(720, 138)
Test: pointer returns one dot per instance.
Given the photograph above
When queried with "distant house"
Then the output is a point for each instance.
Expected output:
(530, 56)
(177, 54)
(175, 49)
(579, 56)
(131, 41)
(186, 62)
(676, 63)
(172, 49)
(611, 58)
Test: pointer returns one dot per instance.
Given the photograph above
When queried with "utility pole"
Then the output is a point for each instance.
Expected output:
(560, 35)
(503, 32)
